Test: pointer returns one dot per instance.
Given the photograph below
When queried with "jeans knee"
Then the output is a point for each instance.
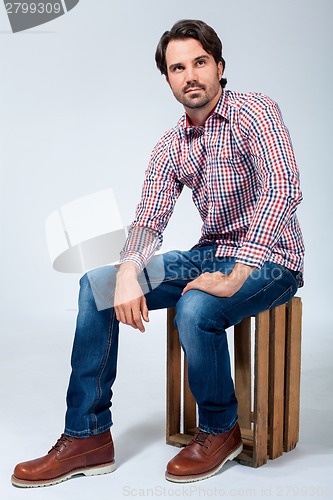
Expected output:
(86, 294)
(192, 313)
(98, 285)
(184, 310)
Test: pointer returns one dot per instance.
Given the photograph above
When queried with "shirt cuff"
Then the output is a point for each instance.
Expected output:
(135, 257)
(253, 254)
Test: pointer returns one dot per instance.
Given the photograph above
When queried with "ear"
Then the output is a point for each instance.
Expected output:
(220, 69)
(167, 80)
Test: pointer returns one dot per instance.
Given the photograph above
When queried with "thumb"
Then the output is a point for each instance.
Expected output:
(144, 309)
(187, 288)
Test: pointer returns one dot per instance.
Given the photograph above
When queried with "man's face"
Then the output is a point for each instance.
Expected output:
(193, 75)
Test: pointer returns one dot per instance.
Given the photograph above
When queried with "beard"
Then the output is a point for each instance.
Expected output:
(199, 99)
(195, 100)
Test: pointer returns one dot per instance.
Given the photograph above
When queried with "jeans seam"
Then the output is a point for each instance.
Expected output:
(216, 363)
(259, 291)
(285, 293)
(84, 433)
(295, 278)
(218, 430)
(99, 376)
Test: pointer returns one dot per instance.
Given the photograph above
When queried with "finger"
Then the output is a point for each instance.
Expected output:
(137, 320)
(126, 316)
(190, 286)
(144, 309)
(120, 314)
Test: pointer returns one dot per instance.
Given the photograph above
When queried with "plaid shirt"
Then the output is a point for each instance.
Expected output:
(244, 179)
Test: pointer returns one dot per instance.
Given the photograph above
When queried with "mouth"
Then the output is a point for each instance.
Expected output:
(193, 89)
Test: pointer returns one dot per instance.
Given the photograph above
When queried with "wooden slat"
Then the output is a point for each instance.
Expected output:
(173, 378)
(242, 355)
(293, 373)
(276, 381)
(247, 436)
(268, 377)
(189, 403)
(261, 389)
(246, 457)
(180, 439)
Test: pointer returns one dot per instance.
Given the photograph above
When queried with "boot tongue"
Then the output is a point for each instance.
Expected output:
(61, 443)
(201, 437)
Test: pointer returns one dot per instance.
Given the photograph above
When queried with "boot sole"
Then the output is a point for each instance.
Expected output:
(92, 471)
(205, 475)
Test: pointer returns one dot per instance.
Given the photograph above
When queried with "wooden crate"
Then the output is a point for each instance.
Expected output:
(267, 384)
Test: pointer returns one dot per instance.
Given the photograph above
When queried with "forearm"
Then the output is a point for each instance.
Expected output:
(129, 270)
(240, 273)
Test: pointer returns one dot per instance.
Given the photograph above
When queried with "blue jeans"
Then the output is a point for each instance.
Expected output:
(201, 319)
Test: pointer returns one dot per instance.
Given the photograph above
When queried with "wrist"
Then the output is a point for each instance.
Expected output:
(240, 272)
(128, 269)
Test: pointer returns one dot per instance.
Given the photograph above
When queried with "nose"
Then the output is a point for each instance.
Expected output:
(190, 75)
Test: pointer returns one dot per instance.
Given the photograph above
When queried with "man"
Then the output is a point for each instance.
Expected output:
(233, 150)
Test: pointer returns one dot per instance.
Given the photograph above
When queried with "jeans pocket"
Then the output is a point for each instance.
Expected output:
(283, 298)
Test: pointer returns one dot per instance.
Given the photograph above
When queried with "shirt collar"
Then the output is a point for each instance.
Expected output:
(221, 109)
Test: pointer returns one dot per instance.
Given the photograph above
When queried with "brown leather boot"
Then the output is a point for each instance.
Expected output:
(204, 456)
(69, 456)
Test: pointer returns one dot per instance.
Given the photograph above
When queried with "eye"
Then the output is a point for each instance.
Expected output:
(201, 62)
(178, 68)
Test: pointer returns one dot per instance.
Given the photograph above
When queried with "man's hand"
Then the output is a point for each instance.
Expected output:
(129, 302)
(219, 284)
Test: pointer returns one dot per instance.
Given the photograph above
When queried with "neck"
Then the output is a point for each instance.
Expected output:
(198, 116)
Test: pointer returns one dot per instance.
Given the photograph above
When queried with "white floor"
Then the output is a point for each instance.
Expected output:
(34, 372)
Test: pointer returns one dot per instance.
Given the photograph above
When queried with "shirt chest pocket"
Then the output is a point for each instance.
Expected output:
(232, 176)
(233, 166)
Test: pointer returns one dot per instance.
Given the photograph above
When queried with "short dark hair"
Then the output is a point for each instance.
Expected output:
(190, 28)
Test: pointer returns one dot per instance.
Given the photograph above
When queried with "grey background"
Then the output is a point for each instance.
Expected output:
(81, 106)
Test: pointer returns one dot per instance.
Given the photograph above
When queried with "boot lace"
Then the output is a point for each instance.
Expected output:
(62, 442)
(200, 438)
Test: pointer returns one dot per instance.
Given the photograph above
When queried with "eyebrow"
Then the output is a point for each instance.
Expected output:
(204, 56)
